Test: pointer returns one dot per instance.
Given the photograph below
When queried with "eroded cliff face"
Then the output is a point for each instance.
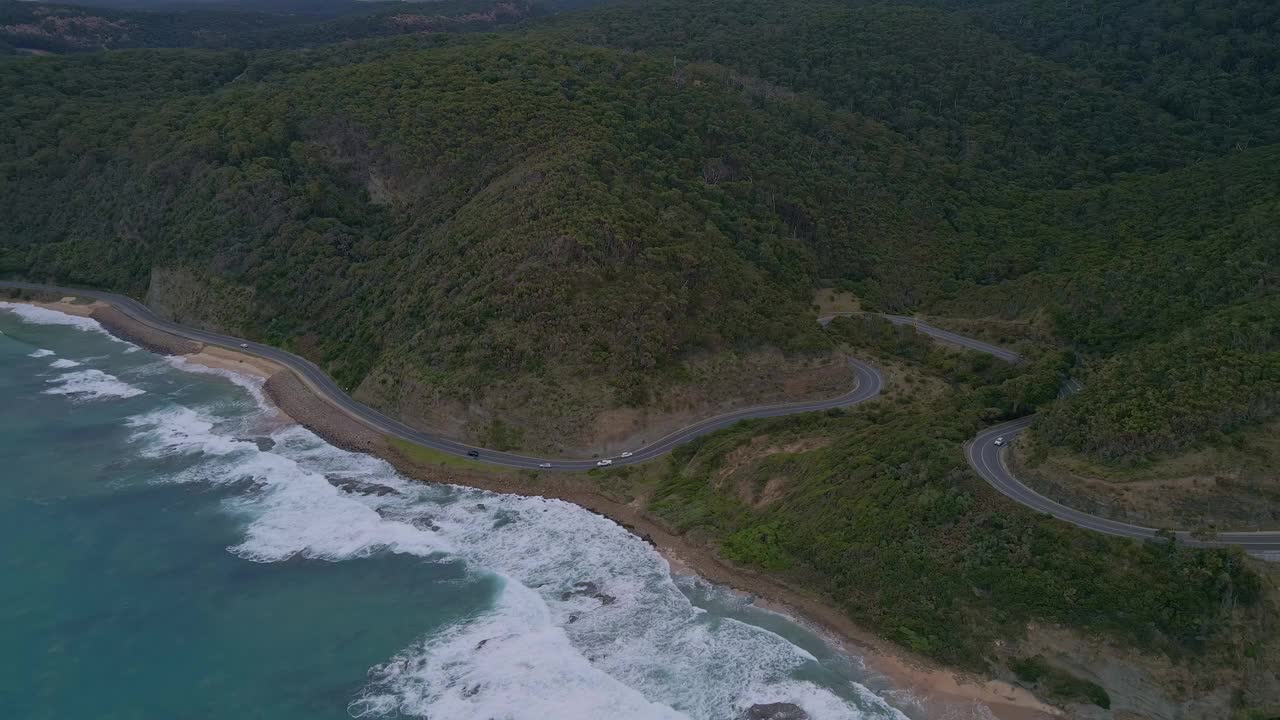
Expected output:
(200, 299)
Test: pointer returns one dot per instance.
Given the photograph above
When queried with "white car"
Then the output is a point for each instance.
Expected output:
(627, 454)
(244, 345)
(999, 441)
(544, 465)
(603, 463)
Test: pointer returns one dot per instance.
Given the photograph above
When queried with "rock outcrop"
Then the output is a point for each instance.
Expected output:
(587, 588)
(776, 711)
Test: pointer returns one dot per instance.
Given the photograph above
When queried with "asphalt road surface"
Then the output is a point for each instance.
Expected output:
(986, 458)
(938, 333)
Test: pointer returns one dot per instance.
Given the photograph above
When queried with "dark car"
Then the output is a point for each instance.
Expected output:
(473, 453)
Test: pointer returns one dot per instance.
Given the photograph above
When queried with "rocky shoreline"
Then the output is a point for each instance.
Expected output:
(938, 692)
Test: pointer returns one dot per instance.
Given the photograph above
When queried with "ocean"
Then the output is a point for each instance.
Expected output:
(173, 549)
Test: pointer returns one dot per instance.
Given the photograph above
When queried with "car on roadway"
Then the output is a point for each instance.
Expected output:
(627, 454)
(244, 345)
(473, 453)
(999, 441)
(603, 463)
(544, 465)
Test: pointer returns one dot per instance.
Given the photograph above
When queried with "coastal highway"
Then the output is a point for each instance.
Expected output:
(868, 382)
(986, 458)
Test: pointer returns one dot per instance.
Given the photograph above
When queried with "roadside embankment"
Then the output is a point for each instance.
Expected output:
(141, 334)
(299, 402)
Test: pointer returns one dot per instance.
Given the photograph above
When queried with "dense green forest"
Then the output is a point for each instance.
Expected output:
(1106, 166)
(514, 198)
(1213, 61)
(474, 208)
(982, 108)
(27, 27)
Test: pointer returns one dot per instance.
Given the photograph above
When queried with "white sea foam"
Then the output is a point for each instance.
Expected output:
(63, 364)
(91, 385)
(39, 353)
(629, 645)
(511, 662)
(297, 511)
(251, 384)
(44, 316)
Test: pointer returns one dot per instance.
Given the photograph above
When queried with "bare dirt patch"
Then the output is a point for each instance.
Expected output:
(830, 301)
(742, 472)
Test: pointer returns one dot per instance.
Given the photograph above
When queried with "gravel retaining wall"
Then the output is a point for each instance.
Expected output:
(157, 341)
(297, 400)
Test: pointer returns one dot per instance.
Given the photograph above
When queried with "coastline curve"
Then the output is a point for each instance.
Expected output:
(983, 455)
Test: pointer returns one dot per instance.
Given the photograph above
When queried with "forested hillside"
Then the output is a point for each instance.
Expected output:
(615, 211)
(28, 27)
(985, 110)
(1171, 278)
(1208, 60)
(475, 212)
(518, 235)
(1078, 145)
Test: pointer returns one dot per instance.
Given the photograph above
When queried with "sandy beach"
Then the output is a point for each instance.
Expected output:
(225, 359)
(938, 692)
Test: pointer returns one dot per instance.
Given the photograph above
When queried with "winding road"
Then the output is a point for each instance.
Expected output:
(868, 382)
(986, 458)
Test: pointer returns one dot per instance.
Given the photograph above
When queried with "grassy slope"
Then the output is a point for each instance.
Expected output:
(1228, 482)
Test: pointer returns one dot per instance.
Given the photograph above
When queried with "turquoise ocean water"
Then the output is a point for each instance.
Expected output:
(172, 549)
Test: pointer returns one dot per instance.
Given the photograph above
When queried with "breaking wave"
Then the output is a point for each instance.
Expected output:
(44, 316)
(588, 624)
(91, 385)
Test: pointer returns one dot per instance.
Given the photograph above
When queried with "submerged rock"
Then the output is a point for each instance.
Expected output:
(264, 443)
(399, 514)
(586, 588)
(425, 522)
(776, 711)
(357, 487)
